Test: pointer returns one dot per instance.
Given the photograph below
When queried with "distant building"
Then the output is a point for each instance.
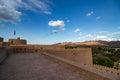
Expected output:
(1, 41)
(17, 41)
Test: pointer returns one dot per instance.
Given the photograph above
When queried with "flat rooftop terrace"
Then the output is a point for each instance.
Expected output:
(36, 66)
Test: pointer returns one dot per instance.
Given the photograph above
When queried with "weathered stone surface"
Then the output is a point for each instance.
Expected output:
(37, 67)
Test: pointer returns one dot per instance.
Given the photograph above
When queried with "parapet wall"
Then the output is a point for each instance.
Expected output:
(81, 55)
(106, 72)
(4, 52)
(81, 58)
(34, 48)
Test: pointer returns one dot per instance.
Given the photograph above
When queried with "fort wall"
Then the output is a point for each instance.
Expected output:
(81, 58)
(1, 39)
(107, 72)
(81, 55)
(4, 52)
(34, 48)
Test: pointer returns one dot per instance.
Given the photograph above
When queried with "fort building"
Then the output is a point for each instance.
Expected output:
(78, 57)
(17, 41)
(1, 41)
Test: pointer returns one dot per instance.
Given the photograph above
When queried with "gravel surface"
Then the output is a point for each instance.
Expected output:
(35, 66)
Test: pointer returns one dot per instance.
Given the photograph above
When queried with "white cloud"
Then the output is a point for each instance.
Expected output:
(88, 35)
(9, 8)
(101, 37)
(115, 33)
(85, 36)
(55, 31)
(105, 38)
(90, 13)
(58, 23)
(38, 5)
(103, 32)
(77, 30)
(9, 14)
(97, 18)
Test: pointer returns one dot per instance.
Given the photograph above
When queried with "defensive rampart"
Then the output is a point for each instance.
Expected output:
(81, 55)
(34, 48)
(4, 52)
(81, 58)
(107, 72)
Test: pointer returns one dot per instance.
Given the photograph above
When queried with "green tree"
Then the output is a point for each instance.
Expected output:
(104, 61)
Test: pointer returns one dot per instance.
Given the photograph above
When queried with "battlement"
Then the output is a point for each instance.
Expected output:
(107, 72)
(80, 57)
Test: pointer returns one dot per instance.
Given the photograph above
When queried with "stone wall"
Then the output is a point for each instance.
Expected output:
(81, 58)
(4, 52)
(81, 55)
(17, 42)
(1, 43)
(34, 48)
(1, 39)
(107, 72)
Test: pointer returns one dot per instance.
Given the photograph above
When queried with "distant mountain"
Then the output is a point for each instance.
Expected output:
(86, 43)
(110, 43)
(65, 43)
(93, 43)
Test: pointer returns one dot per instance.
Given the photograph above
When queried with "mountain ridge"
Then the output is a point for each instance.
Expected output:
(93, 43)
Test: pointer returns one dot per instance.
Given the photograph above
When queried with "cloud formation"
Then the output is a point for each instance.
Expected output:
(37, 5)
(90, 13)
(54, 31)
(105, 38)
(88, 35)
(85, 36)
(77, 30)
(115, 33)
(9, 9)
(58, 23)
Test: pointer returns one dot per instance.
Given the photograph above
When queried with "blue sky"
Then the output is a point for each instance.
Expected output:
(54, 21)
